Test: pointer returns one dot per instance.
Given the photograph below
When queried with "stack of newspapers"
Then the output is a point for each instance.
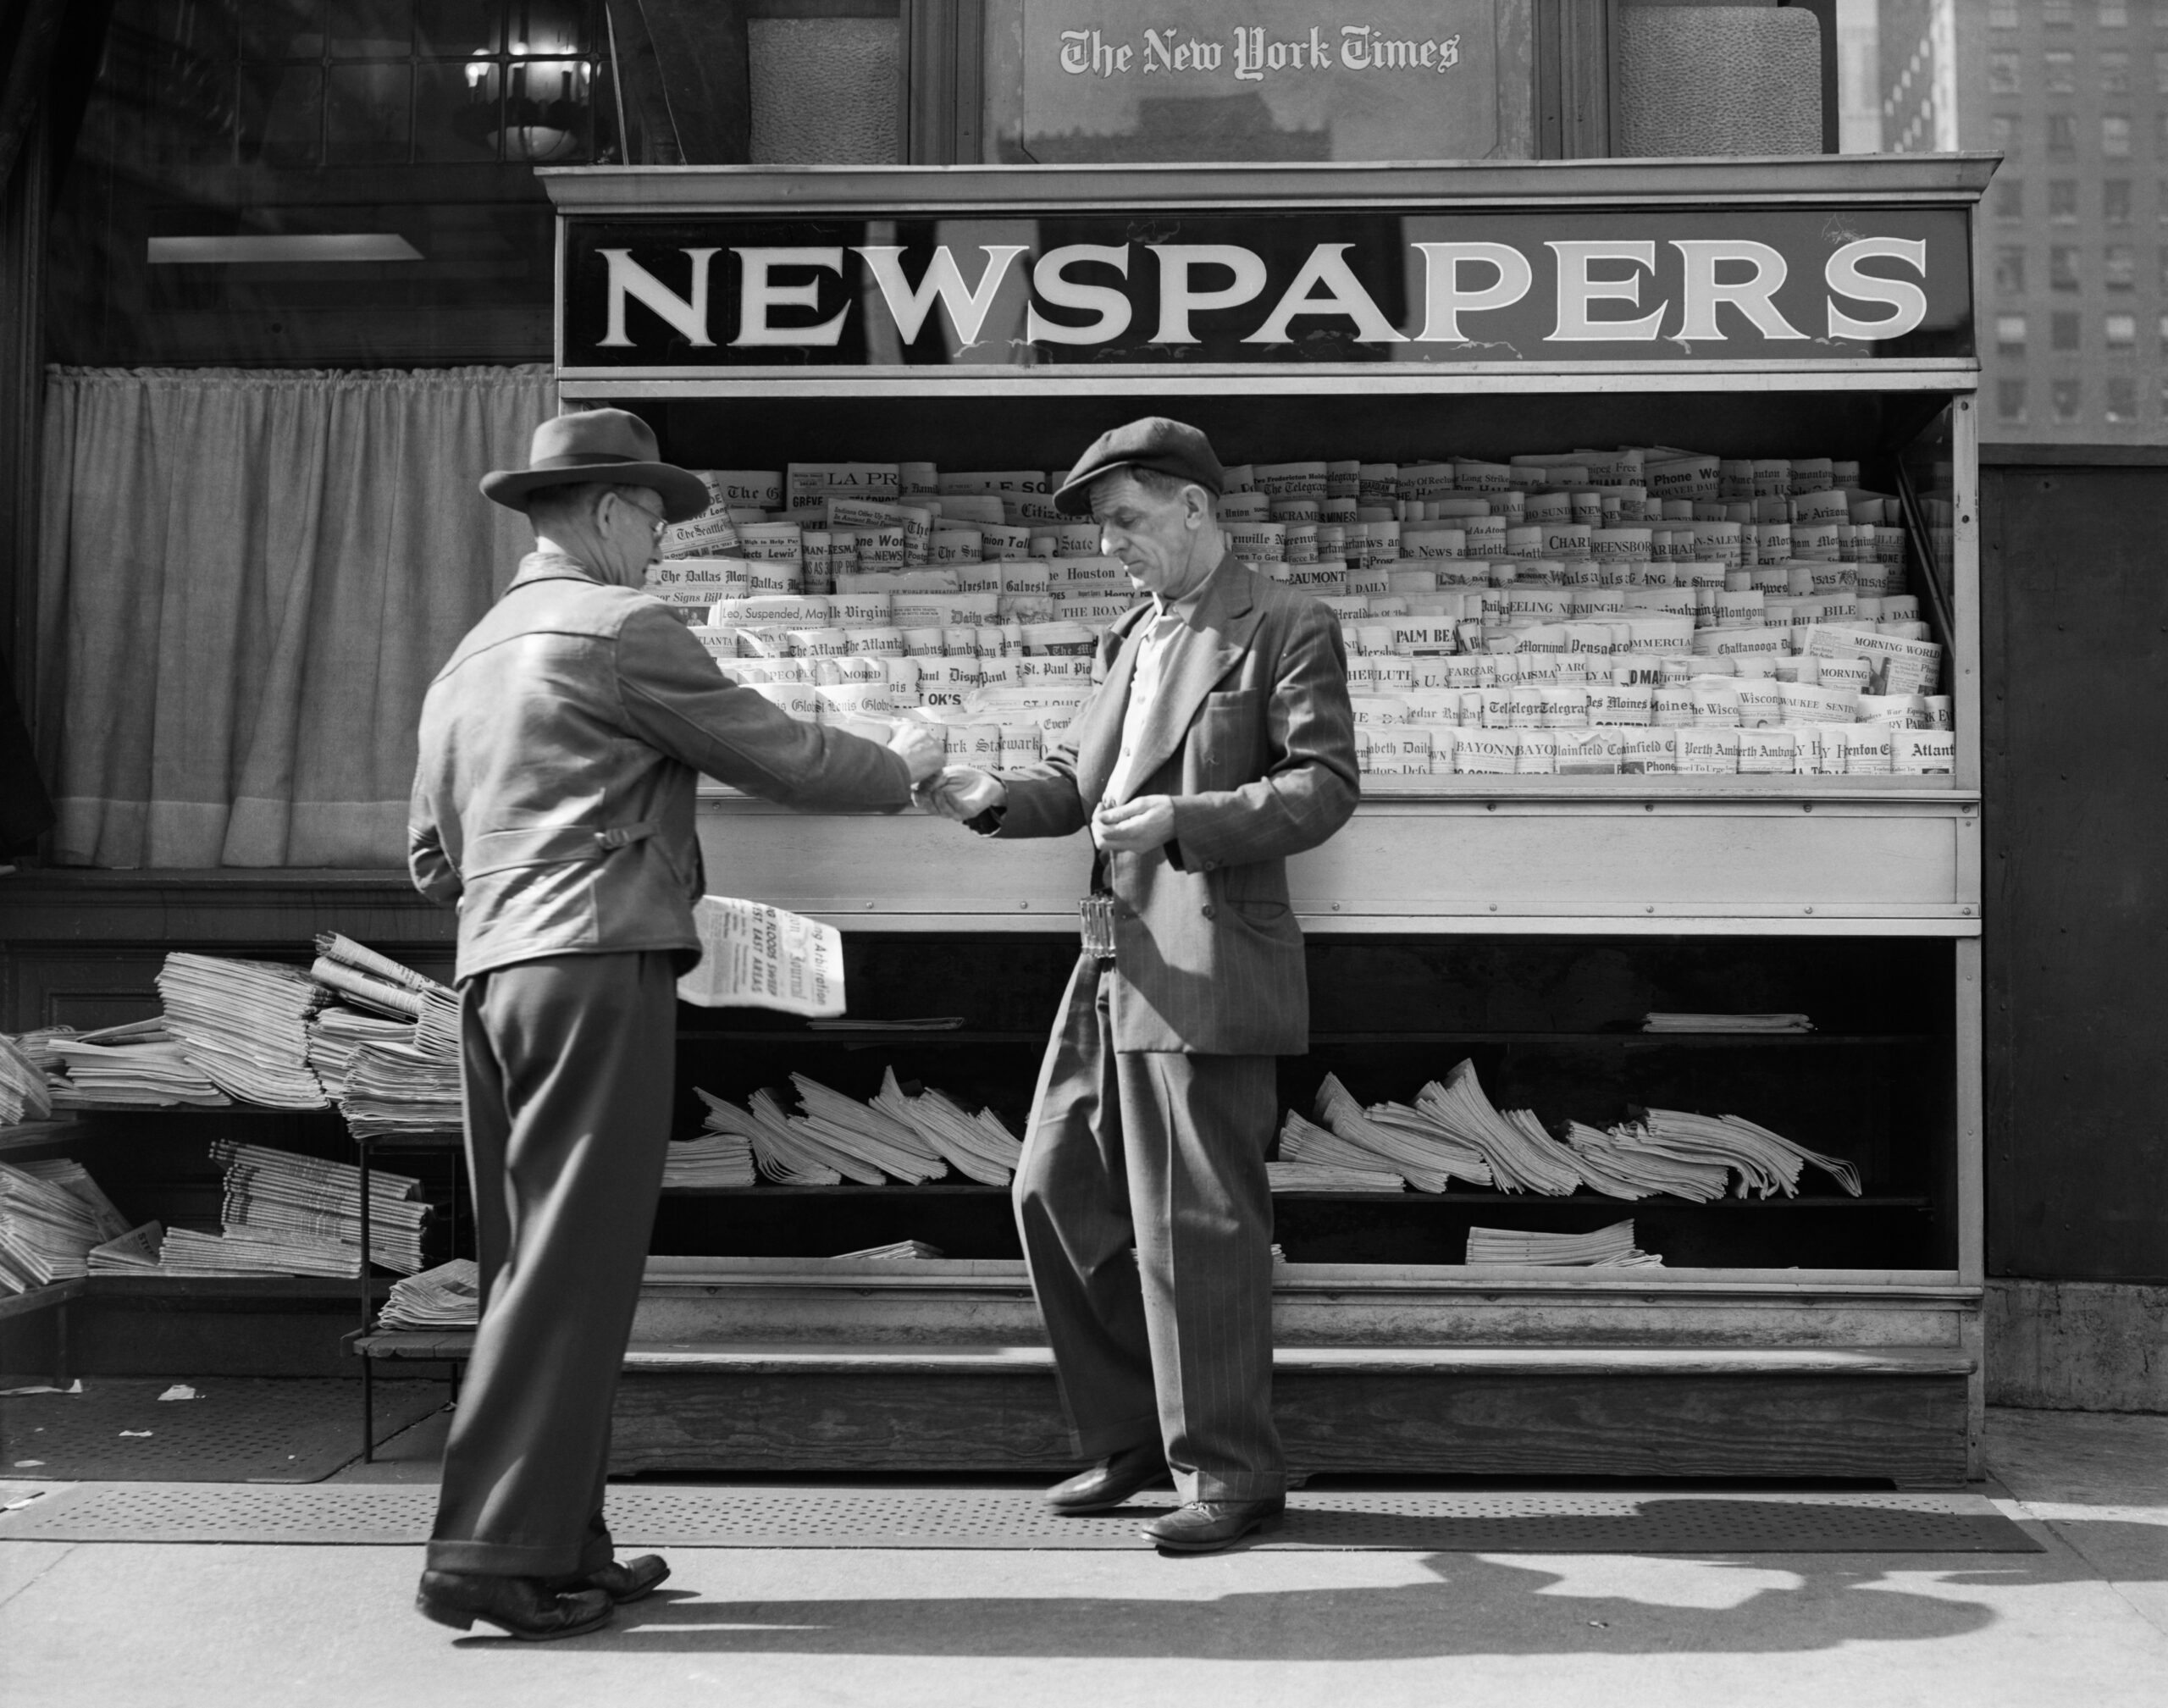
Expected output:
(714, 1157)
(135, 1252)
(51, 1216)
(140, 1065)
(1607, 1248)
(1766, 1162)
(391, 1059)
(24, 1095)
(906, 1249)
(977, 1146)
(285, 1215)
(891, 1136)
(1726, 1023)
(1313, 1159)
(1394, 1136)
(448, 1296)
(245, 1024)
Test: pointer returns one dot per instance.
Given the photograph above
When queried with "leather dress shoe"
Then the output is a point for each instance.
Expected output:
(522, 1607)
(1205, 1526)
(627, 1580)
(1110, 1482)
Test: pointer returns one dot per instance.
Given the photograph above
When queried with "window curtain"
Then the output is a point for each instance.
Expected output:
(246, 581)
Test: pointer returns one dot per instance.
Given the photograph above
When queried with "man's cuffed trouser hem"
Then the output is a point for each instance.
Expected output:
(519, 1559)
(1200, 1486)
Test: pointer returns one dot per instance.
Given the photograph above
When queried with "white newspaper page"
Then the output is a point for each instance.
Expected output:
(755, 956)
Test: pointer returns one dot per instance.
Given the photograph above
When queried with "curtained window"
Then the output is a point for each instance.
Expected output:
(246, 581)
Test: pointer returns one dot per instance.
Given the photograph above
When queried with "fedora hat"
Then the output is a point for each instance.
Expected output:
(612, 445)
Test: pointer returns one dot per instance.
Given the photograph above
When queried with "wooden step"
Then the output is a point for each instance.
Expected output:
(757, 1359)
(1895, 1412)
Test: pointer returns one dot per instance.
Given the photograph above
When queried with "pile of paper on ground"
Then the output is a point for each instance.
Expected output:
(1607, 1248)
(141, 1065)
(448, 1296)
(1726, 1023)
(892, 1136)
(712, 1158)
(392, 1061)
(52, 1214)
(977, 1146)
(290, 1215)
(245, 1023)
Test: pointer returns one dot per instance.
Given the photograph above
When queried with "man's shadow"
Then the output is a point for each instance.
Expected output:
(1469, 1605)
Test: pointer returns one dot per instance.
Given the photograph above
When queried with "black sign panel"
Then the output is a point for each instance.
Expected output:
(692, 295)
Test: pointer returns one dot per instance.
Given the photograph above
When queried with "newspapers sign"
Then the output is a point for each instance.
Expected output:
(1261, 79)
(686, 296)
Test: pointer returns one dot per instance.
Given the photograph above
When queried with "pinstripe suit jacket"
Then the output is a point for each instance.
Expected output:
(1252, 737)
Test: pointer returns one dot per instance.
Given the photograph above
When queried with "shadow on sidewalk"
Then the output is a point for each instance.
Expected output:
(1475, 1605)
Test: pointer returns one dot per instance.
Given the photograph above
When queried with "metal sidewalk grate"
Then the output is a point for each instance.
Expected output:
(825, 1516)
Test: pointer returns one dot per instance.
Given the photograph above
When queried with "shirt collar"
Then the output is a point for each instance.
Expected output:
(551, 565)
(1185, 606)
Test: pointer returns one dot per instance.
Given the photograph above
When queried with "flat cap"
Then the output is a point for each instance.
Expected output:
(1170, 447)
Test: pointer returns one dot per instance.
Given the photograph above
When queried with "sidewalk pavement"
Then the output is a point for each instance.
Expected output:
(2085, 1623)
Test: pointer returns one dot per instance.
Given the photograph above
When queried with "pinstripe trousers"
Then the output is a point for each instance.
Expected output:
(1166, 1151)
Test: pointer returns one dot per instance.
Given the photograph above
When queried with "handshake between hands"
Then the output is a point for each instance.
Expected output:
(963, 792)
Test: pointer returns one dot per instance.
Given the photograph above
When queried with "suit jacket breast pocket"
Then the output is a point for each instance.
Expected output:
(1226, 744)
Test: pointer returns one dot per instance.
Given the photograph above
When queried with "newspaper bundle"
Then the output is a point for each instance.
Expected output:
(753, 955)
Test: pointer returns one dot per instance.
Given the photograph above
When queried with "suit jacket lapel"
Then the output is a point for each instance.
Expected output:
(1098, 743)
(1198, 653)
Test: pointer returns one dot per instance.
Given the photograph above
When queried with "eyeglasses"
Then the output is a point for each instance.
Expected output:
(657, 520)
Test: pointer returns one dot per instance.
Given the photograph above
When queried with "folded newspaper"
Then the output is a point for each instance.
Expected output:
(755, 956)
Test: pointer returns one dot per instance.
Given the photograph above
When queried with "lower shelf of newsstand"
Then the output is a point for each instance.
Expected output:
(752, 1365)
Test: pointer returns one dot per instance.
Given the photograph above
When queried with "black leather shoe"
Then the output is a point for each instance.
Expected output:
(1205, 1526)
(628, 1580)
(1110, 1482)
(520, 1607)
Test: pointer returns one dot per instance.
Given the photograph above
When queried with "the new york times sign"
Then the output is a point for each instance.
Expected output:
(682, 296)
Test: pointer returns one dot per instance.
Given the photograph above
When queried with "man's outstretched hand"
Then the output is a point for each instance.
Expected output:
(962, 793)
(920, 747)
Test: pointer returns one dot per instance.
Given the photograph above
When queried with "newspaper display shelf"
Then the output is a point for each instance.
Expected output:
(1522, 922)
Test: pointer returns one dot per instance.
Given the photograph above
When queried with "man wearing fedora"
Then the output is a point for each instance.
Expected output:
(1217, 742)
(554, 807)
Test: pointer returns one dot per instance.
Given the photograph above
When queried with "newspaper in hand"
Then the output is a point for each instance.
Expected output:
(755, 956)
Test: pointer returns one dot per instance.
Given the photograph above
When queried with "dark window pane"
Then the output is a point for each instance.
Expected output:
(2067, 396)
(2009, 399)
(365, 117)
(2009, 198)
(281, 30)
(2062, 331)
(370, 29)
(2122, 398)
(281, 108)
(456, 116)
(459, 26)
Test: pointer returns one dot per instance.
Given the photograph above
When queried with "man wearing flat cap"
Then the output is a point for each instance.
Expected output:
(1217, 742)
(553, 806)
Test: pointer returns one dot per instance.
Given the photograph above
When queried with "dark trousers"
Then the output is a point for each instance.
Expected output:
(568, 1072)
(1166, 1152)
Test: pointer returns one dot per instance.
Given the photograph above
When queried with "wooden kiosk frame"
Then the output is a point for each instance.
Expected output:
(1859, 894)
